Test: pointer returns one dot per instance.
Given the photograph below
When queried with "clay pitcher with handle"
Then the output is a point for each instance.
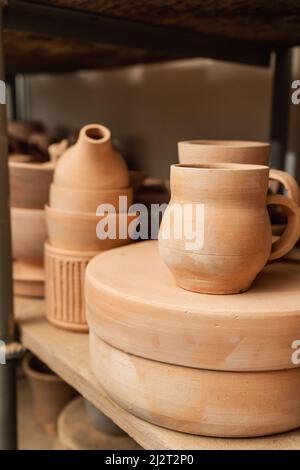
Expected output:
(216, 235)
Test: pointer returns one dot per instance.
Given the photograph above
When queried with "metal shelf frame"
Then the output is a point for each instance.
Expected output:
(174, 44)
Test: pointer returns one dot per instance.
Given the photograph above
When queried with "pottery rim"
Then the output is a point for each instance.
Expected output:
(31, 166)
(218, 167)
(238, 144)
(95, 133)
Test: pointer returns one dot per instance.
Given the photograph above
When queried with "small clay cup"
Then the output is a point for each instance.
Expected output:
(50, 393)
(216, 235)
(29, 234)
(77, 230)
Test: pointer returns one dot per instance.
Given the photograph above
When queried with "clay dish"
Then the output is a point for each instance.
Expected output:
(28, 235)
(92, 163)
(77, 230)
(198, 152)
(196, 401)
(29, 184)
(83, 200)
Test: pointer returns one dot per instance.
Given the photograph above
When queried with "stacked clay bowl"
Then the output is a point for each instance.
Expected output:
(210, 365)
(88, 174)
(29, 188)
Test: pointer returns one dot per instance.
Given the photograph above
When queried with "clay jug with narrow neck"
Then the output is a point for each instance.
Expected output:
(92, 162)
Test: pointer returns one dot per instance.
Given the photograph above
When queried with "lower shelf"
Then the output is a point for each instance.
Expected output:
(67, 354)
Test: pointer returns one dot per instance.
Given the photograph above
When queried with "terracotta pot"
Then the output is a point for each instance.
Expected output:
(249, 332)
(29, 184)
(198, 152)
(77, 230)
(223, 210)
(83, 200)
(209, 403)
(100, 421)
(92, 163)
(64, 287)
(50, 393)
(28, 235)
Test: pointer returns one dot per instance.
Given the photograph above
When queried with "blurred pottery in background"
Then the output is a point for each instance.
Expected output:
(92, 163)
(29, 183)
(29, 234)
(57, 149)
(75, 432)
(84, 200)
(50, 393)
(225, 240)
(28, 279)
(137, 179)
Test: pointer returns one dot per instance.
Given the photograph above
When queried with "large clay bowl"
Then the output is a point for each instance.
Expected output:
(210, 403)
(223, 151)
(28, 235)
(29, 184)
(77, 230)
(82, 200)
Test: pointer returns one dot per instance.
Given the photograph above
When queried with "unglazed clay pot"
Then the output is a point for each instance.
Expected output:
(50, 393)
(92, 163)
(77, 230)
(209, 403)
(216, 235)
(29, 234)
(29, 184)
(83, 200)
(201, 152)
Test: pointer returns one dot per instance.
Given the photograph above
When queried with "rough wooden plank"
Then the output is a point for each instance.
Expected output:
(259, 20)
(67, 354)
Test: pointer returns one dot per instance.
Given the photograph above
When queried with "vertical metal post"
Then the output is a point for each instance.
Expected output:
(8, 428)
(280, 107)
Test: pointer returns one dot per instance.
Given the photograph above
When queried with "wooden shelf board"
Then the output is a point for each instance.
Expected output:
(67, 354)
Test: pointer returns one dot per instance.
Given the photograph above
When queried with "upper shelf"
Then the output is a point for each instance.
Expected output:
(67, 35)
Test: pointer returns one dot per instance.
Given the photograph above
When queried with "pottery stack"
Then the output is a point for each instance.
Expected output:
(88, 174)
(169, 350)
(29, 188)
